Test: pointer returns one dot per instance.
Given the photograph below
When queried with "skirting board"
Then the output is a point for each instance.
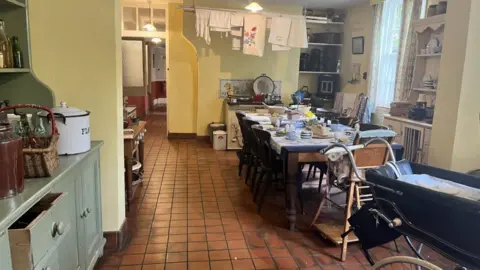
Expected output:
(117, 241)
(182, 135)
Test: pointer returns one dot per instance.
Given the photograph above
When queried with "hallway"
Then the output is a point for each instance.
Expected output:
(194, 212)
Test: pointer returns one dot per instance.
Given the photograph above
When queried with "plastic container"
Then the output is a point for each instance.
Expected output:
(220, 140)
(212, 127)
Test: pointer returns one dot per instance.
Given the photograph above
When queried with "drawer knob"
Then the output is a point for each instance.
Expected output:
(83, 214)
(58, 229)
(88, 211)
(47, 268)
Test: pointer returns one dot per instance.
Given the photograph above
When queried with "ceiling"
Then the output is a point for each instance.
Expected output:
(316, 3)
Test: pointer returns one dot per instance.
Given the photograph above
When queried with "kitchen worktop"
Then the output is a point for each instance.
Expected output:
(251, 103)
(36, 188)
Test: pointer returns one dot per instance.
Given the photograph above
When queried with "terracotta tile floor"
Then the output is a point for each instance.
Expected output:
(194, 212)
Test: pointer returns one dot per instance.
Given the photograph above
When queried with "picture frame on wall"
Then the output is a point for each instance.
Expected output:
(358, 45)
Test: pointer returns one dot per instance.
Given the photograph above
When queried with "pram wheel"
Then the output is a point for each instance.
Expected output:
(404, 262)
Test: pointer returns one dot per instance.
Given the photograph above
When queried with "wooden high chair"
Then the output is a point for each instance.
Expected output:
(365, 157)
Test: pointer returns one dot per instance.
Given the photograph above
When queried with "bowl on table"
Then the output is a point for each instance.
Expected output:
(301, 108)
(276, 109)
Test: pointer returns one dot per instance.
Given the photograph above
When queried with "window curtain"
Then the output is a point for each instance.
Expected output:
(407, 51)
(374, 58)
(385, 52)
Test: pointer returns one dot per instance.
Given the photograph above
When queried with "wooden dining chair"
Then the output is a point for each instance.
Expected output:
(252, 144)
(243, 154)
(356, 193)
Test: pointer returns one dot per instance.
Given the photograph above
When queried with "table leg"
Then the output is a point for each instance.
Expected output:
(128, 180)
(291, 190)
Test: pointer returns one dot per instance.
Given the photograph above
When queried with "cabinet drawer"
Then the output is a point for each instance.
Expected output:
(49, 262)
(5, 258)
(38, 231)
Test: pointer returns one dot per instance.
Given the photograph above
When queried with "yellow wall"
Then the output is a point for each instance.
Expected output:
(456, 130)
(181, 76)
(358, 22)
(76, 52)
(218, 61)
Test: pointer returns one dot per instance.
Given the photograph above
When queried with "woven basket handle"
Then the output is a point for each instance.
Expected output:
(34, 106)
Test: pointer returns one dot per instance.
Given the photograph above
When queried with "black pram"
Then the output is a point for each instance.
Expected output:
(447, 223)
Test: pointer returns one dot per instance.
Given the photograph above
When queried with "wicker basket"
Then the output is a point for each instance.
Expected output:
(40, 162)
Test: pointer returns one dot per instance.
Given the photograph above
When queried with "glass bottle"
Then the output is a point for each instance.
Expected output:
(17, 53)
(9, 58)
(40, 134)
(27, 130)
(3, 45)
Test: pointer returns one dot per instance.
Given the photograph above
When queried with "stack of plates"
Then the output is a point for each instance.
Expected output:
(430, 84)
(306, 134)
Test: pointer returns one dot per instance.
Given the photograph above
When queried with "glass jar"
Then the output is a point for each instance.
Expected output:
(11, 162)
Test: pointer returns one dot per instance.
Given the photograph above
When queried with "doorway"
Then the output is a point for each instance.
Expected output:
(158, 79)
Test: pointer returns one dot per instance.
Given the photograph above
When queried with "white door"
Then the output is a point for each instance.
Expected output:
(159, 64)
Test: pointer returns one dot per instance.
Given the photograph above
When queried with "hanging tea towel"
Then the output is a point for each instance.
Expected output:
(298, 33)
(280, 31)
(236, 22)
(220, 21)
(202, 20)
(254, 34)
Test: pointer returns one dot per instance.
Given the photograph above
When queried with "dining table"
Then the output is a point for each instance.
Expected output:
(300, 151)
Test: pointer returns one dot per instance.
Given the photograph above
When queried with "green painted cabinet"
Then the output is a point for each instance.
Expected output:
(90, 225)
(67, 249)
(5, 261)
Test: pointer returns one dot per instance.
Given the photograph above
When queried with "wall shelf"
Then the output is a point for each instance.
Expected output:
(430, 55)
(324, 22)
(324, 44)
(319, 72)
(11, 3)
(14, 70)
(426, 90)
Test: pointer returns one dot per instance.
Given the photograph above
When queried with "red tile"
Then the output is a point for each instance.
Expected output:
(234, 236)
(236, 244)
(218, 255)
(135, 249)
(285, 263)
(197, 246)
(237, 254)
(198, 256)
(154, 258)
(198, 266)
(243, 264)
(176, 266)
(177, 247)
(264, 263)
(221, 265)
(260, 253)
(153, 267)
(217, 245)
(132, 259)
(176, 257)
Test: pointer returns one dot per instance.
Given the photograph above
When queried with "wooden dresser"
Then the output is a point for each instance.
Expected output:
(56, 222)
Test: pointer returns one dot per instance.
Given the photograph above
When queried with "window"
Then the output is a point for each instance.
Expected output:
(387, 47)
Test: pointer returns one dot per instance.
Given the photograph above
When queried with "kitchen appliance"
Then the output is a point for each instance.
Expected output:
(328, 86)
(315, 61)
(304, 60)
(11, 162)
(263, 85)
(74, 127)
(329, 38)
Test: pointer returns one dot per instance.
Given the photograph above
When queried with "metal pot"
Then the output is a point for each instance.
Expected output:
(74, 128)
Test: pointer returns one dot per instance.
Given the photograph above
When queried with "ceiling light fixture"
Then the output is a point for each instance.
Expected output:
(156, 40)
(150, 27)
(254, 7)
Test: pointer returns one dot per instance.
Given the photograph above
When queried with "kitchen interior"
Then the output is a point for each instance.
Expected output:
(59, 209)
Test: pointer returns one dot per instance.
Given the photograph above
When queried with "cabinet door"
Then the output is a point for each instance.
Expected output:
(5, 258)
(67, 248)
(397, 127)
(92, 219)
(413, 143)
